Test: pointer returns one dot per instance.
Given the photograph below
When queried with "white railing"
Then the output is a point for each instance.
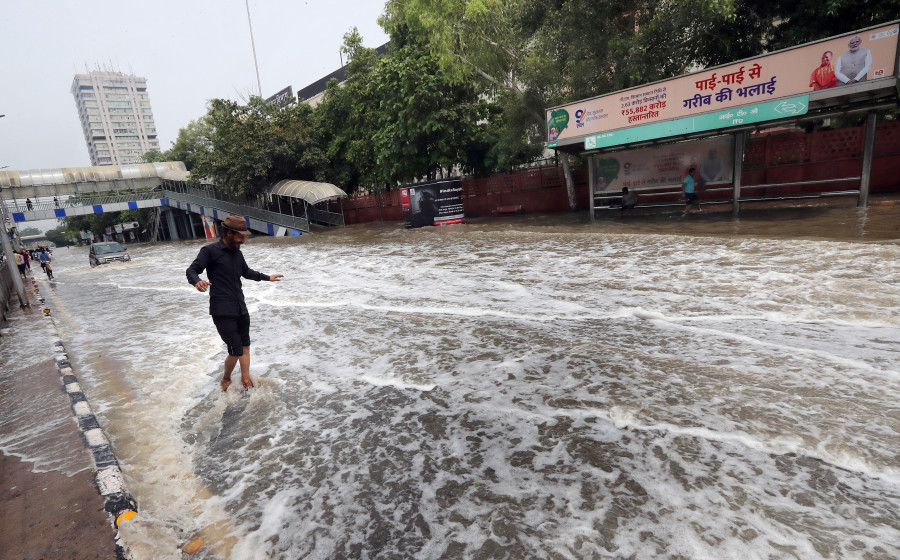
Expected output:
(196, 196)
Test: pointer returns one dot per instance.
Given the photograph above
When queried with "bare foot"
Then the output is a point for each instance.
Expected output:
(225, 383)
(247, 383)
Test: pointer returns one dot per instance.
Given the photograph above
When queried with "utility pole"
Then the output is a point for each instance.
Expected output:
(253, 44)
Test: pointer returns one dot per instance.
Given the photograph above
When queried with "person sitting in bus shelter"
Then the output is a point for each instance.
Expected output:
(629, 201)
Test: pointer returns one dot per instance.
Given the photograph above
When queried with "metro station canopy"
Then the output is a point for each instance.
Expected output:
(856, 71)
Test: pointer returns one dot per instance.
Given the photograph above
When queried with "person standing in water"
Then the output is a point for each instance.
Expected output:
(225, 266)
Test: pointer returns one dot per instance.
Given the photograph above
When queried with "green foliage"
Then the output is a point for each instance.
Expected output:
(495, 45)
(97, 223)
(466, 84)
(61, 235)
(29, 231)
(347, 120)
(424, 122)
(257, 144)
(192, 143)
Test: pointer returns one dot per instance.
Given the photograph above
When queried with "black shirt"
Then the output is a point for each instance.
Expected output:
(224, 268)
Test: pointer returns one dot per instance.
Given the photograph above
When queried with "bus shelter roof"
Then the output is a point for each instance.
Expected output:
(309, 191)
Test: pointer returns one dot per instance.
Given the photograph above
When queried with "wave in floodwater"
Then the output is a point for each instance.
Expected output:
(485, 392)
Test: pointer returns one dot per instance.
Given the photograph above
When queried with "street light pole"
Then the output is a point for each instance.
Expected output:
(253, 44)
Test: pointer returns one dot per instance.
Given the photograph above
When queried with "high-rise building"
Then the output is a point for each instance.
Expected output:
(115, 114)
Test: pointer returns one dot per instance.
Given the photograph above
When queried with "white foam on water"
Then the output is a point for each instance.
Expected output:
(392, 382)
(655, 316)
(527, 394)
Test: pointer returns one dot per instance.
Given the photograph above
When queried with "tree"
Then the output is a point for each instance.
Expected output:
(493, 42)
(61, 235)
(193, 142)
(425, 122)
(347, 119)
(29, 231)
(257, 144)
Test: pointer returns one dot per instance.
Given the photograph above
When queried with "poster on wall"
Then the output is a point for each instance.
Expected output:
(665, 165)
(437, 203)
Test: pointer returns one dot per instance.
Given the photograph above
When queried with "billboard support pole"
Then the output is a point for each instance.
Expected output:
(738, 168)
(868, 151)
(592, 169)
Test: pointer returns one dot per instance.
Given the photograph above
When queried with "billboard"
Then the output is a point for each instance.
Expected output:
(665, 165)
(283, 98)
(847, 59)
(433, 204)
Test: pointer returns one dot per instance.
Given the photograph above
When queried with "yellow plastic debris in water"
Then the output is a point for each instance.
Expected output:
(124, 516)
(193, 545)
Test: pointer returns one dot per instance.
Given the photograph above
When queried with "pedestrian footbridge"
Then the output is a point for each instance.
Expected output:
(285, 208)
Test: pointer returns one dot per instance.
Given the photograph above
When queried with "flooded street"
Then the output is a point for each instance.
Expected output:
(530, 387)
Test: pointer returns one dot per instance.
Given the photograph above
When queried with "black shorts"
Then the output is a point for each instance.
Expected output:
(691, 197)
(235, 332)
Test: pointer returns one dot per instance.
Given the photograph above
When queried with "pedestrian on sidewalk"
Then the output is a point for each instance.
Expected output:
(20, 262)
(26, 258)
(225, 266)
(28, 203)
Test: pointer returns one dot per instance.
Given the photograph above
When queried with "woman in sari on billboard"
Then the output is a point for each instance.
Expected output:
(823, 77)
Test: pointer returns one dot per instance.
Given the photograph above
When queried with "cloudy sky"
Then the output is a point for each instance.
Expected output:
(189, 51)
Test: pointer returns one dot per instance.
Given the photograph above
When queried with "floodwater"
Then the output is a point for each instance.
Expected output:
(529, 387)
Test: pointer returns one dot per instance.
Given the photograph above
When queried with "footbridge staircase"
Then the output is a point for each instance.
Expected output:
(285, 208)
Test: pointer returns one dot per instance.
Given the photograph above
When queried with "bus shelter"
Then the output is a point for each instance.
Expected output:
(647, 137)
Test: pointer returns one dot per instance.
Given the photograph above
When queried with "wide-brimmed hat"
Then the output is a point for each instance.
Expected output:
(236, 223)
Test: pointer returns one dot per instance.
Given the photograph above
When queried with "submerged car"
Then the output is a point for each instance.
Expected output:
(107, 252)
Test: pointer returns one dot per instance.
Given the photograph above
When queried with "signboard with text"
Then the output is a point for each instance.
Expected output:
(736, 116)
(433, 204)
(753, 83)
(283, 98)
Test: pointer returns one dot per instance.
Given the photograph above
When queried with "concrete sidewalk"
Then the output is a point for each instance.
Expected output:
(50, 504)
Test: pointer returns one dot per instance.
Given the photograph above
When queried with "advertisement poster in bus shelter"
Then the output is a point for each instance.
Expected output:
(830, 63)
(665, 165)
(433, 204)
(209, 227)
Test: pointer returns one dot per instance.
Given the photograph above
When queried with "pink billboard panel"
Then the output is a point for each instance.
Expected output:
(855, 57)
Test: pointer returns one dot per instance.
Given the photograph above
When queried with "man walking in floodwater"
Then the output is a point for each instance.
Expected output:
(225, 265)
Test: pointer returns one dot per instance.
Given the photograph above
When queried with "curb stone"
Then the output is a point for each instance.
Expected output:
(108, 478)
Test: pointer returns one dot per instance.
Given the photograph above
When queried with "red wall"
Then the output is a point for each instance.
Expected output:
(777, 157)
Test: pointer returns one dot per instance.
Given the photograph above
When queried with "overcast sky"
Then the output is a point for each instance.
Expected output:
(190, 51)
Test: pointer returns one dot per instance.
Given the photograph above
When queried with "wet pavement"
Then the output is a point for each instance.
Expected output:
(49, 504)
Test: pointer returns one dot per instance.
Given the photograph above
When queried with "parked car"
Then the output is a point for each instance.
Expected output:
(107, 252)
